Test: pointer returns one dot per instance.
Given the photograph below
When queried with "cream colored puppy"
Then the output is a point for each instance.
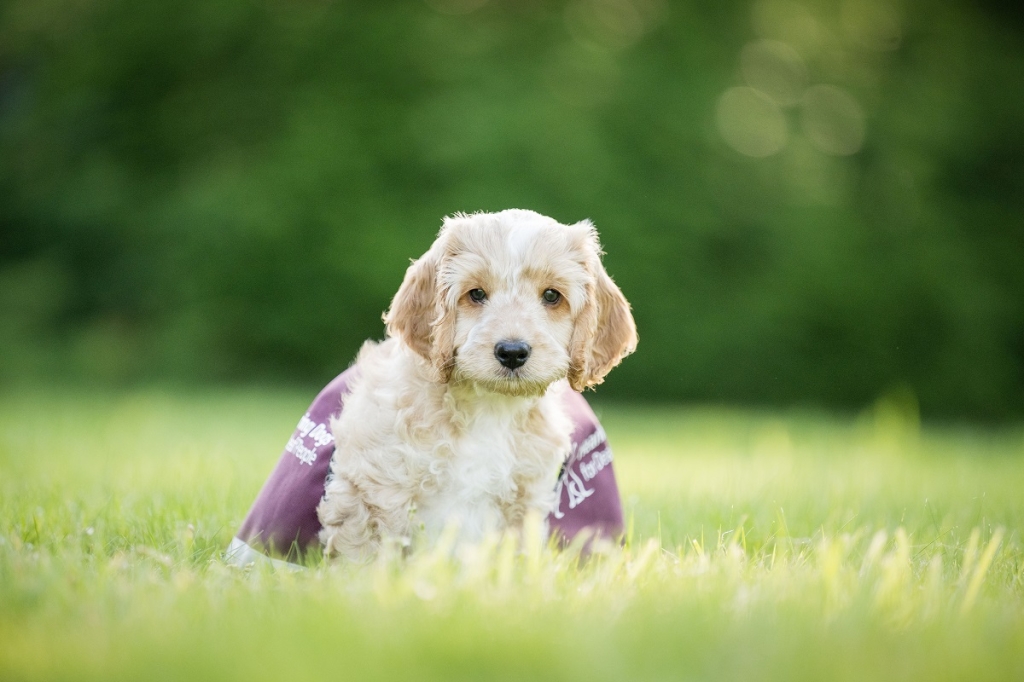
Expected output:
(457, 417)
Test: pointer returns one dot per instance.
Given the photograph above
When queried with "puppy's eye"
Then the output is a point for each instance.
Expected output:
(551, 296)
(478, 295)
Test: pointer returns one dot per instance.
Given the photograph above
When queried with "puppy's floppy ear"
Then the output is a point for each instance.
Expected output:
(412, 309)
(605, 332)
(420, 316)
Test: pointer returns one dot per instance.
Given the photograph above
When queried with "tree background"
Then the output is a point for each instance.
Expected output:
(810, 203)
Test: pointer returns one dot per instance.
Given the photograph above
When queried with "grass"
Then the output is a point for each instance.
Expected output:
(785, 546)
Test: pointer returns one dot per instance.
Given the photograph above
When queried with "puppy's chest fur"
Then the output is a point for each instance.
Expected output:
(414, 456)
(486, 473)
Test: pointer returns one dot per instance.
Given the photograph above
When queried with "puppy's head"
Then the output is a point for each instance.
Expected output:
(513, 301)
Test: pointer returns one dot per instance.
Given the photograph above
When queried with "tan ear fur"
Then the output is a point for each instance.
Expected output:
(420, 316)
(443, 330)
(581, 341)
(604, 334)
(616, 331)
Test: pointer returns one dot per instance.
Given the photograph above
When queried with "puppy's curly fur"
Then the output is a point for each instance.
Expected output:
(437, 428)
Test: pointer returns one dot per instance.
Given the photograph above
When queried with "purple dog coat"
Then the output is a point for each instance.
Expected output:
(283, 521)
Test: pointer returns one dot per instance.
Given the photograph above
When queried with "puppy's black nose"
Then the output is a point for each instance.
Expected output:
(512, 354)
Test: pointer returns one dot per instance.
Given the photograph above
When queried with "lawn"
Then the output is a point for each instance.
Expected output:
(763, 546)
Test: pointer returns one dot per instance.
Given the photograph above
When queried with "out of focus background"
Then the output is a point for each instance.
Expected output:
(816, 208)
(814, 203)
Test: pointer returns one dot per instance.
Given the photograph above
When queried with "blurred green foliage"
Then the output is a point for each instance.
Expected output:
(231, 189)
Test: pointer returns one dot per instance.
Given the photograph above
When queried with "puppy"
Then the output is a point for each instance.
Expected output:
(457, 417)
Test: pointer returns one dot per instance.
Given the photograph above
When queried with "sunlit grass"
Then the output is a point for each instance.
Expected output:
(760, 546)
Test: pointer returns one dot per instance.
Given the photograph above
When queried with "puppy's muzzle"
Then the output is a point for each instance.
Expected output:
(512, 354)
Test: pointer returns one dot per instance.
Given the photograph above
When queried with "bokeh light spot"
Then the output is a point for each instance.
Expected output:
(751, 123)
(776, 69)
(832, 120)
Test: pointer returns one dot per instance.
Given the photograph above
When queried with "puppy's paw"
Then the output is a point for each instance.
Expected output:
(348, 528)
